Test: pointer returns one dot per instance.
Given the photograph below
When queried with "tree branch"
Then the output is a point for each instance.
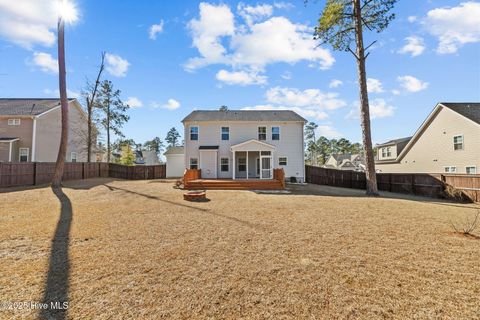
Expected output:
(354, 54)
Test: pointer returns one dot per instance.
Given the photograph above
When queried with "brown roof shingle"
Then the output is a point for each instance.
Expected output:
(26, 107)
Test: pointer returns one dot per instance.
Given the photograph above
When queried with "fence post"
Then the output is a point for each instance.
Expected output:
(83, 170)
(390, 182)
(34, 173)
(413, 183)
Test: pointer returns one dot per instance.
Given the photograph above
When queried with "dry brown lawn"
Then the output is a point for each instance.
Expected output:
(136, 250)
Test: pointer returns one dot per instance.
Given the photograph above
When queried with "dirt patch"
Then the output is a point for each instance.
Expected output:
(137, 250)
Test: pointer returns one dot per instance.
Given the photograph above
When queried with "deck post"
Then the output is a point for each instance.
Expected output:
(247, 164)
(233, 166)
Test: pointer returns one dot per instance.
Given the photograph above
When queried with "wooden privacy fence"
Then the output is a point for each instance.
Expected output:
(458, 186)
(35, 173)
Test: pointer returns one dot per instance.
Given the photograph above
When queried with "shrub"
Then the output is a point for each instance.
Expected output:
(469, 225)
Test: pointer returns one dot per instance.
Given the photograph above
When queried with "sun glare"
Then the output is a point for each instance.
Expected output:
(67, 11)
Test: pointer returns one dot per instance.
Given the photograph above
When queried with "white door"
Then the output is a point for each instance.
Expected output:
(266, 167)
(208, 164)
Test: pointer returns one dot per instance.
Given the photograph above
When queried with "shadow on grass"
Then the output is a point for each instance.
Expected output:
(56, 287)
(84, 184)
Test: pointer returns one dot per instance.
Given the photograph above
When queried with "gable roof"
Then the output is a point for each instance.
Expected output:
(175, 150)
(467, 109)
(243, 115)
(393, 142)
(27, 107)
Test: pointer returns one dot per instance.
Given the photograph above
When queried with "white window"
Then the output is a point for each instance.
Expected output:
(386, 152)
(13, 122)
(193, 133)
(262, 133)
(193, 163)
(450, 169)
(224, 164)
(225, 133)
(275, 133)
(471, 170)
(242, 164)
(23, 155)
(458, 142)
(282, 161)
(73, 157)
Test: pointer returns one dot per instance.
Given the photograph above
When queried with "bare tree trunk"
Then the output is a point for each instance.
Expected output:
(62, 150)
(371, 176)
(108, 133)
(90, 105)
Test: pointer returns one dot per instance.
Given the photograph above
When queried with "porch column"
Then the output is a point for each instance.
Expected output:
(233, 166)
(247, 164)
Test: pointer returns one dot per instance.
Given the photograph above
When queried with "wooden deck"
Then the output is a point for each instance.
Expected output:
(230, 184)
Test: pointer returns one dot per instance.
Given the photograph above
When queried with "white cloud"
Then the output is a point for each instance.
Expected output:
(264, 39)
(116, 65)
(328, 131)
(395, 92)
(45, 62)
(454, 26)
(304, 112)
(412, 19)
(335, 83)
(414, 46)
(374, 85)
(28, 22)
(171, 104)
(412, 84)
(56, 93)
(287, 75)
(379, 108)
(242, 78)
(309, 98)
(134, 102)
(154, 30)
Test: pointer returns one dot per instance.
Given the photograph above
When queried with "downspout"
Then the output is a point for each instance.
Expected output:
(34, 137)
(10, 151)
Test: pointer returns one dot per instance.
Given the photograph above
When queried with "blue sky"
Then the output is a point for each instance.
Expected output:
(171, 57)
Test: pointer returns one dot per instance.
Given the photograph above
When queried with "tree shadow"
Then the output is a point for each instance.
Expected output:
(56, 287)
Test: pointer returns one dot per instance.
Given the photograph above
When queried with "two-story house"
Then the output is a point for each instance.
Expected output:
(345, 161)
(448, 141)
(244, 144)
(30, 130)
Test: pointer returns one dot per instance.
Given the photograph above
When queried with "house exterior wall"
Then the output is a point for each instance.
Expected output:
(22, 131)
(49, 131)
(290, 144)
(175, 165)
(434, 148)
(4, 151)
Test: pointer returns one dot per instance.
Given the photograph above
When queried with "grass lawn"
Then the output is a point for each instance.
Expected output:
(135, 249)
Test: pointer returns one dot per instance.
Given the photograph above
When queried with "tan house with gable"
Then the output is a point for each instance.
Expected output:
(30, 130)
(448, 141)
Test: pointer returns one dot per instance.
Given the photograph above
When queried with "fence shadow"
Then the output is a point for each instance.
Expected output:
(57, 285)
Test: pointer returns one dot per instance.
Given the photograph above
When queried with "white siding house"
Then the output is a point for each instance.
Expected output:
(244, 144)
(175, 157)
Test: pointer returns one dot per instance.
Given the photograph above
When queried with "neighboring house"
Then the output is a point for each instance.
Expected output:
(175, 161)
(245, 143)
(448, 141)
(146, 157)
(30, 130)
(345, 161)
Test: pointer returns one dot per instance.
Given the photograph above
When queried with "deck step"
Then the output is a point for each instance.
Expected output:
(222, 184)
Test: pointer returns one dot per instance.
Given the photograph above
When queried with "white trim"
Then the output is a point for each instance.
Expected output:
(253, 140)
(221, 133)
(190, 163)
(286, 160)
(234, 169)
(20, 154)
(10, 151)
(34, 137)
(463, 142)
(266, 132)
(14, 121)
(71, 156)
(449, 169)
(228, 164)
(190, 132)
(48, 111)
(471, 167)
(246, 160)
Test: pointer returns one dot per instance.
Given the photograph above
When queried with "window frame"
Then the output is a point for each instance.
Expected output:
(241, 164)
(14, 122)
(278, 134)
(450, 169)
(190, 133)
(222, 164)
(196, 164)
(280, 161)
(263, 134)
(20, 154)
(456, 143)
(223, 133)
(386, 152)
(469, 167)
(72, 157)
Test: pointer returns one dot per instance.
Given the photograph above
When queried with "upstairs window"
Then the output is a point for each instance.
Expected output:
(458, 142)
(225, 133)
(386, 152)
(275, 133)
(224, 164)
(193, 163)
(13, 122)
(23, 155)
(73, 157)
(262, 133)
(194, 133)
(450, 169)
(471, 170)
